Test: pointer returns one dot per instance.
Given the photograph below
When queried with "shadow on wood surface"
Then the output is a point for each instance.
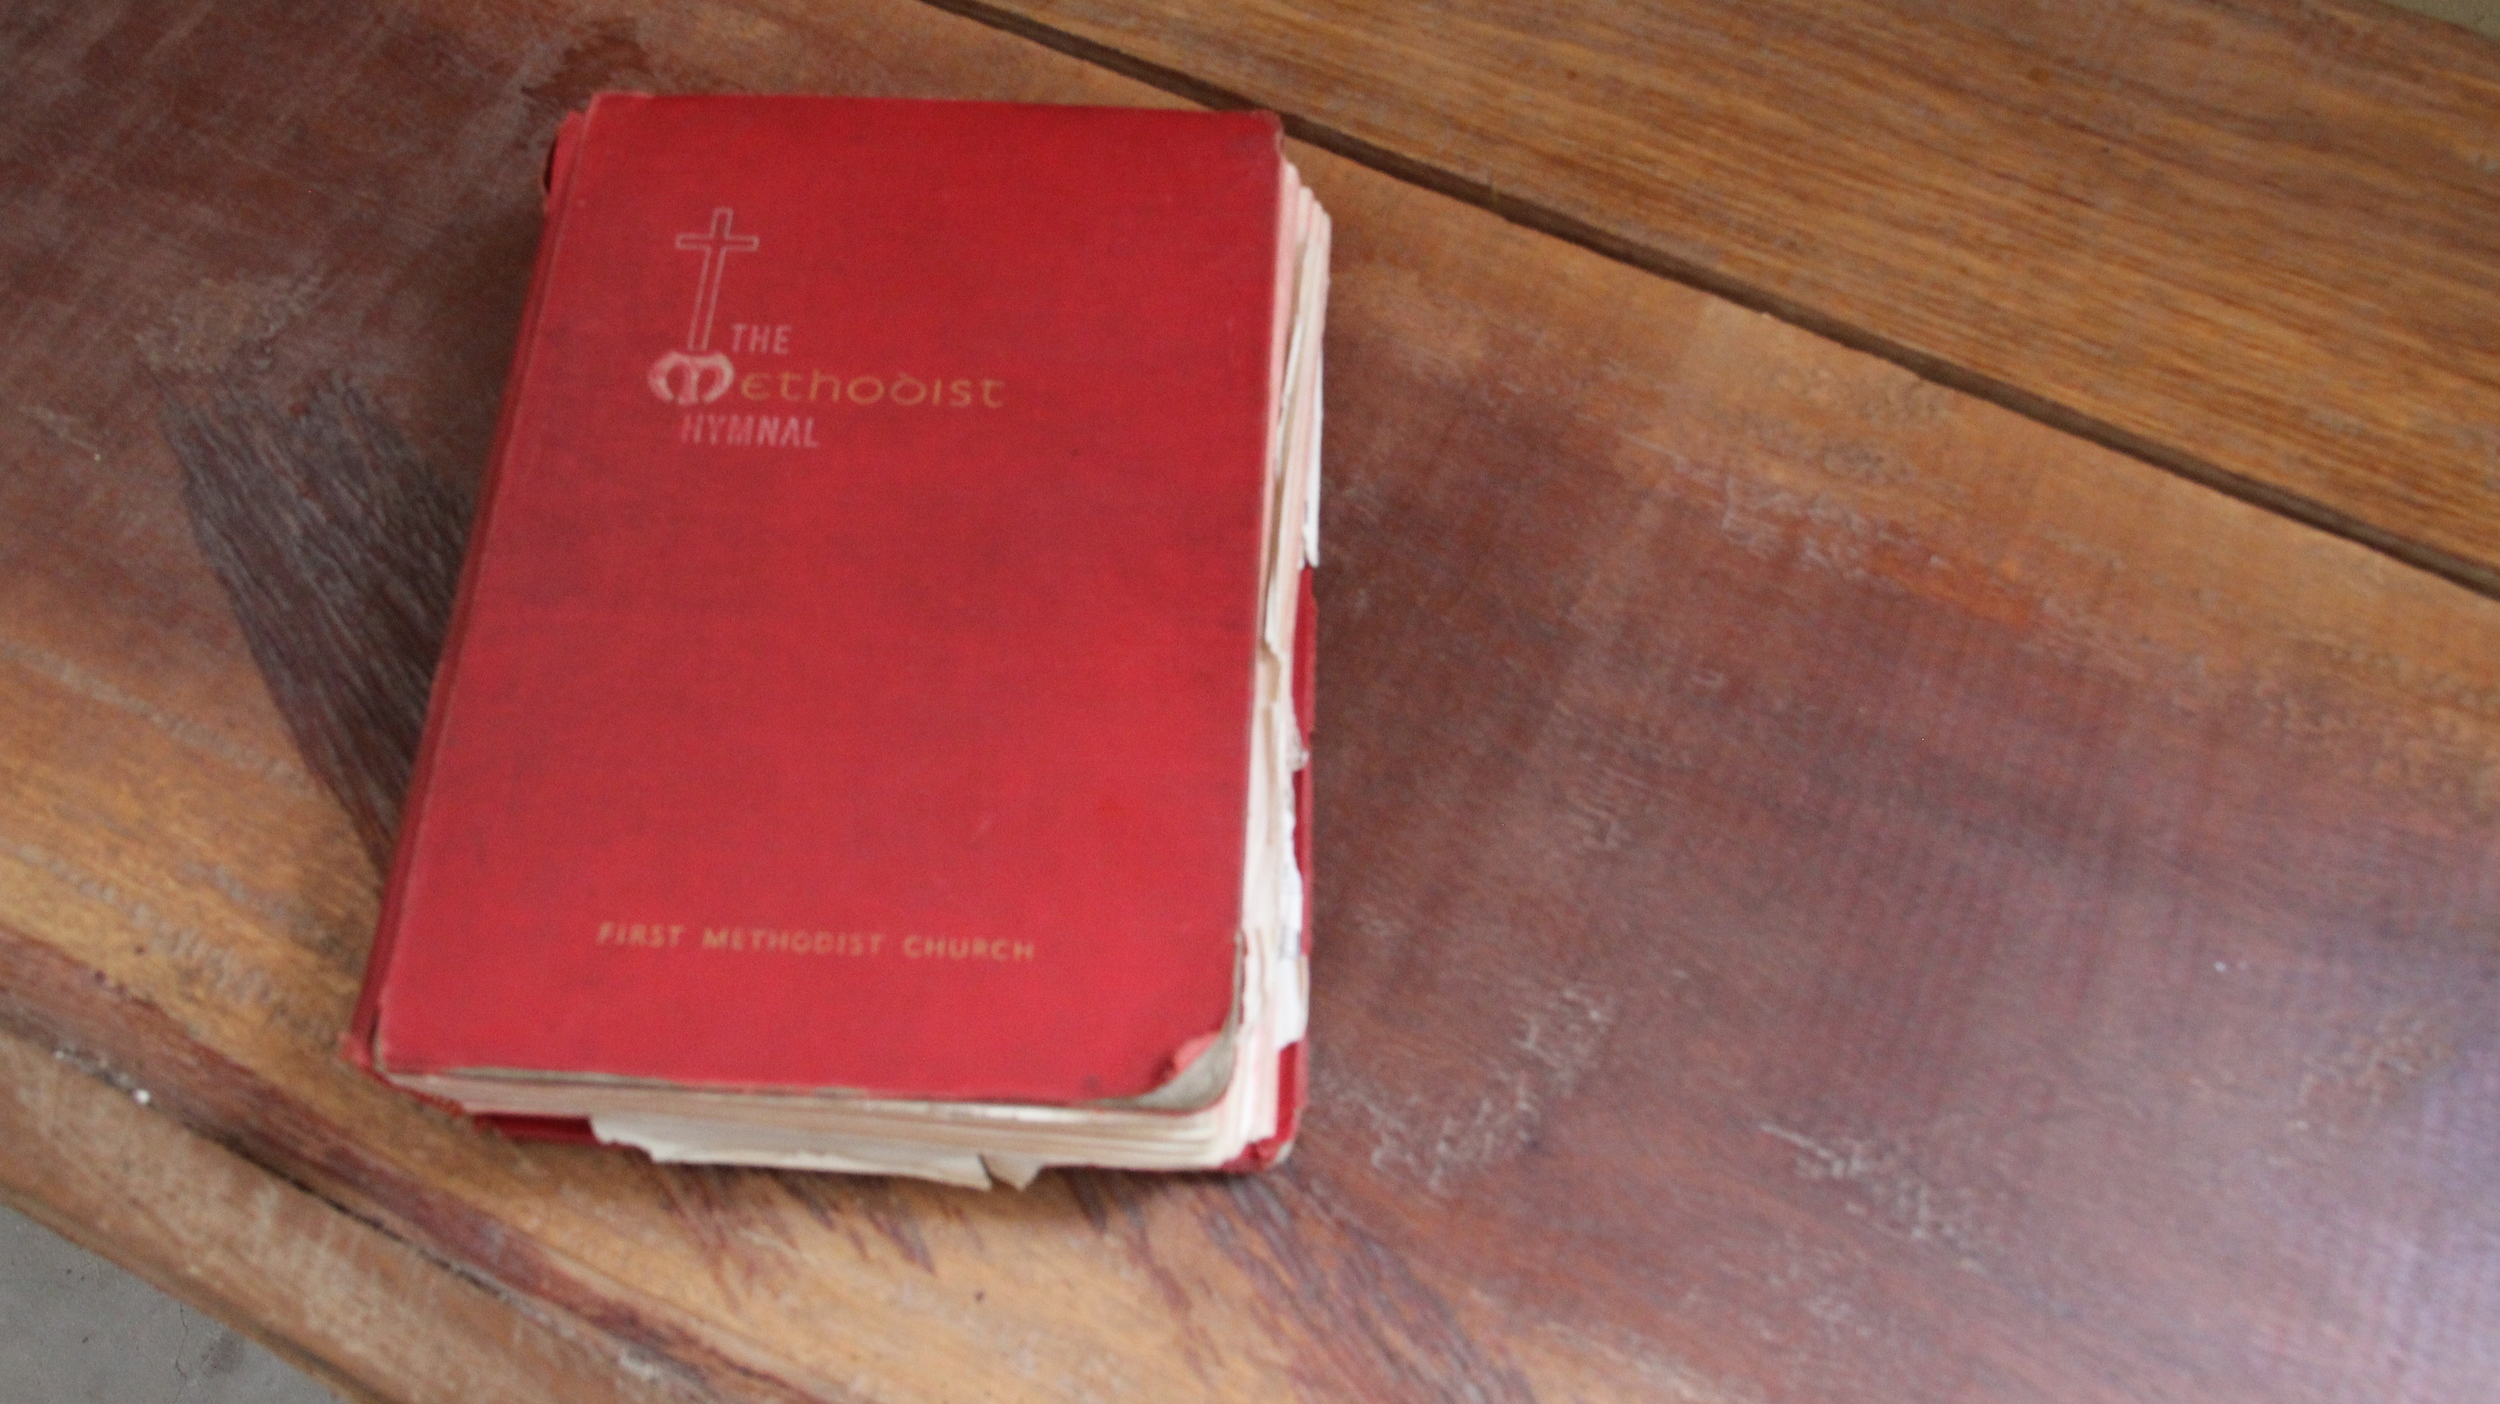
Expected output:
(340, 551)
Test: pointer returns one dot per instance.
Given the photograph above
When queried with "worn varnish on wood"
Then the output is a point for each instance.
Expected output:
(1832, 890)
(2255, 241)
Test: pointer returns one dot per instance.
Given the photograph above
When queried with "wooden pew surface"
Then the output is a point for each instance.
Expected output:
(1846, 871)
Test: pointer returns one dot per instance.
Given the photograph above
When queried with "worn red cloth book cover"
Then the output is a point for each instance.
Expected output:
(851, 683)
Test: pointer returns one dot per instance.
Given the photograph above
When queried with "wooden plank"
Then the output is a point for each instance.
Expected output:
(1830, 889)
(368, 1315)
(2254, 241)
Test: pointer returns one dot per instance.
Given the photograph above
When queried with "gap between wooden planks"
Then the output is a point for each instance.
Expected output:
(369, 1316)
(2256, 244)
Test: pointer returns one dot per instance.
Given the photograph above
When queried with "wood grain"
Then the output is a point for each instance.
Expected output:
(370, 1317)
(2253, 241)
(338, 546)
(1830, 889)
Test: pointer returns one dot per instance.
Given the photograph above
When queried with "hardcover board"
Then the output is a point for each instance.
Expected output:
(851, 685)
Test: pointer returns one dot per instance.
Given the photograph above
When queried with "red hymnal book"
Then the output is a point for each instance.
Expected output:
(871, 734)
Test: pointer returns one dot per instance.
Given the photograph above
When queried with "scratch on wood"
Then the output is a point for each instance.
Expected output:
(219, 319)
(200, 965)
(1440, 1143)
(300, 920)
(183, 730)
(65, 429)
(2376, 1071)
(1900, 1199)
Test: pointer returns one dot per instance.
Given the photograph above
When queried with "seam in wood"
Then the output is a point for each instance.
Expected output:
(30, 969)
(2463, 571)
(329, 1375)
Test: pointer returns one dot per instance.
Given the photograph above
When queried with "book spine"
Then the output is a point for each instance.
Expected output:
(358, 1043)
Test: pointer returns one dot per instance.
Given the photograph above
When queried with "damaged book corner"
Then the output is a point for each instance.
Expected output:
(872, 731)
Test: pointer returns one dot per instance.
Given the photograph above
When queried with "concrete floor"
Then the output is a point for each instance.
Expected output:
(74, 1329)
(2473, 14)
